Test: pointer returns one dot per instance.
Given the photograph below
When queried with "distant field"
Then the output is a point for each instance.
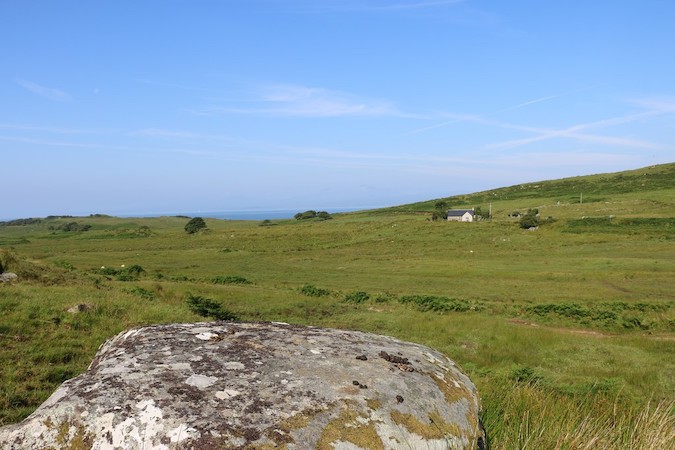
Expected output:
(557, 326)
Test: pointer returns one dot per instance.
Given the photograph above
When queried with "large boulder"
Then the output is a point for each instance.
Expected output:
(257, 386)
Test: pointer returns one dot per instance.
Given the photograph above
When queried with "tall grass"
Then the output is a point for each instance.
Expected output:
(523, 416)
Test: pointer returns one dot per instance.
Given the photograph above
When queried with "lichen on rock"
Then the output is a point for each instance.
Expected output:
(247, 385)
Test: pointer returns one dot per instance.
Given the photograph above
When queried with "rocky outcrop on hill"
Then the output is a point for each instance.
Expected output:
(257, 386)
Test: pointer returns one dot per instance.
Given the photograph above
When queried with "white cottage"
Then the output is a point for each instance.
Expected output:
(461, 215)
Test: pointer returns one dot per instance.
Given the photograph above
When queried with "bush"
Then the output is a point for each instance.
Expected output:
(207, 307)
(194, 225)
(357, 297)
(313, 291)
(438, 303)
(524, 374)
(230, 279)
(74, 226)
(311, 214)
(530, 219)
(143, 293)
(130, 273)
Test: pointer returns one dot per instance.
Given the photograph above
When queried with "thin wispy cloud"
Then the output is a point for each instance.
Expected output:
(574, 132)
(52, 143)
(302, 101)
(473, 117)
(344, 6)
(177, 134)
(43, 91)
(43, 129)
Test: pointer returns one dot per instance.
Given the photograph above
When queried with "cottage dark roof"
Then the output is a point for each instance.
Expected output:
(459, 212)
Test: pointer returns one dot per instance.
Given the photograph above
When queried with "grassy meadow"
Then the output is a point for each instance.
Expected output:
(567, 330)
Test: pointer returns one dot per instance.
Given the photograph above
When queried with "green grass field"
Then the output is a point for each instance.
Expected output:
(568, 330)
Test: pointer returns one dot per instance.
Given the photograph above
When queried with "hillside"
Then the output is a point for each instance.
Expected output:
(648, 181)
(566, 328)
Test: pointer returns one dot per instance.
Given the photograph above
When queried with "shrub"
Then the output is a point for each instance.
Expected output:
(313, 291)
(130, 273)
(74, 226)
(438, 303)
(311, 214)
(530, 219)
(207, 307)
(194, 225)
(143, 293)
(524, 374)
(357, 297)
(230, 279)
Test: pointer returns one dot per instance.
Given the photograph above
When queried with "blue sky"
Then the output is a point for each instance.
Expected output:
(131, 107)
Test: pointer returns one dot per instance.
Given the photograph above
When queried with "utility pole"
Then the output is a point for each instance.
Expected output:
(581, 197)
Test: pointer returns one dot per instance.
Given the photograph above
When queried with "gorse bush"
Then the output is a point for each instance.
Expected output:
(131, 273)
(143, 293)
(311, 214)
(357, 297)
(439, 303)
(230, 279)
(207, 307)
(530, 219)
(313, 291)
(194, 225)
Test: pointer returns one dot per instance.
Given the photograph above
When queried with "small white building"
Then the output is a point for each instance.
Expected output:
(461, 215)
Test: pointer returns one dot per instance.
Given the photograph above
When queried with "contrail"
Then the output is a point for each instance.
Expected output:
(510, 108)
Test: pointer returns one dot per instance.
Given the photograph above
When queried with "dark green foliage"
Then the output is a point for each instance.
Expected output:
(20, 222)
(266, 223)
(530, 219)
(524, 374)
(483, 214)
(606, 314)
(130, 273)
(74, 227)
(230, 279)
(311, 214)
(194, 225)
(441, 205)
(440, 211)
(207, 307)
(357, 297)
(143, 293)
(312, 291)
(438, 303)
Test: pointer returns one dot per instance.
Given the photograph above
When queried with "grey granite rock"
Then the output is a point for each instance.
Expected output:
(257, 386)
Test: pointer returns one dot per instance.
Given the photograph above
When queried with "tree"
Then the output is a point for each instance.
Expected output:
(441, 211)
(195, 224)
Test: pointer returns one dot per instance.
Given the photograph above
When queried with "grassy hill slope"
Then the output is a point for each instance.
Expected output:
(568, 330)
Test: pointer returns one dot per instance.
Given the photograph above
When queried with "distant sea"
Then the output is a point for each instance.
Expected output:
(243, 214)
